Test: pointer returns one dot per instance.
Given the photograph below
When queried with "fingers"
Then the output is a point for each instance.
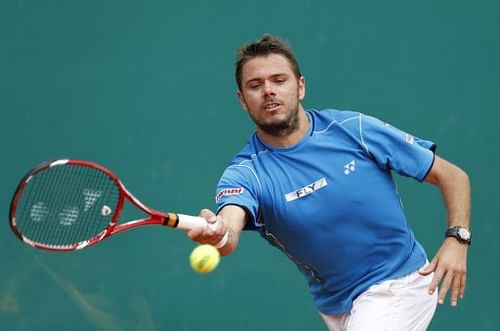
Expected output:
(461, 292)
(429, 269)
(455, 290)
(436, 279)
(195, 233)
(208, 215)
(448, 280)
(211, 234)
(450, 268)
(452, 283)
(445, 286)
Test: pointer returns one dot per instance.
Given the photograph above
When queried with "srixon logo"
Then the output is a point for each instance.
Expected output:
(228, 191)
(306, 190)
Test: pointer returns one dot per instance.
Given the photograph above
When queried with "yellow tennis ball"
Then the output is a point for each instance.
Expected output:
(204, 258)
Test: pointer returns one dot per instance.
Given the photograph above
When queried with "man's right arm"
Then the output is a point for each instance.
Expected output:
(235, 219)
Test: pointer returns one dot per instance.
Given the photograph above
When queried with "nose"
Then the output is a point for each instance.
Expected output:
(268, 88)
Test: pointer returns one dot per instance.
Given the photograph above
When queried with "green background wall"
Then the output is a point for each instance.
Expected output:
(146, 88)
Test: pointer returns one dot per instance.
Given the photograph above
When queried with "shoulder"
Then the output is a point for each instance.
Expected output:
(327, 119)
(242, 166)
(252, 150)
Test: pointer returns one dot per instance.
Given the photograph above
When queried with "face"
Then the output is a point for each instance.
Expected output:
(271, 94)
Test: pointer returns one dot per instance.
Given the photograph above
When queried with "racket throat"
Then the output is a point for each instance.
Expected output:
(171, 220)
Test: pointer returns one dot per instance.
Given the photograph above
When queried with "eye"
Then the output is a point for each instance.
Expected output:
(254, 86)
(280, 80)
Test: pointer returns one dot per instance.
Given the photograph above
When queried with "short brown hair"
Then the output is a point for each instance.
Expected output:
(267, 45)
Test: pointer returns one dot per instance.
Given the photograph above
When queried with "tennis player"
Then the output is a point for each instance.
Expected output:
(319, 186)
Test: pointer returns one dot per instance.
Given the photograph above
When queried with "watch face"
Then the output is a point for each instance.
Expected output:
(464, 233)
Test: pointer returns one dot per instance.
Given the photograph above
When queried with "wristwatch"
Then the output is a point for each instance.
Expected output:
(462, 234)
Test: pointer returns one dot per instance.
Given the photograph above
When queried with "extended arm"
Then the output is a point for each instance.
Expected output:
(450, 262)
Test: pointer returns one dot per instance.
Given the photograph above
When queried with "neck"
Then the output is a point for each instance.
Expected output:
(289, 139)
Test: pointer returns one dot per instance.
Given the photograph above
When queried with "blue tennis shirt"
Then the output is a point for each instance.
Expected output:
(330, 202)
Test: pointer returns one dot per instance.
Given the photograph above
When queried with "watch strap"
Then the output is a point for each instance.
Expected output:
(462, 234)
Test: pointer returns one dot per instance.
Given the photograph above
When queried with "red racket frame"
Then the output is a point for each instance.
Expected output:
(174, 220)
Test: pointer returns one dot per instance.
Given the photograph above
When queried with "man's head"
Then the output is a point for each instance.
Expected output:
(265, 46)
(271, 87)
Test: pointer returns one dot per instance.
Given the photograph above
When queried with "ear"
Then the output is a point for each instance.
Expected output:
(302, 88)
(242, 100)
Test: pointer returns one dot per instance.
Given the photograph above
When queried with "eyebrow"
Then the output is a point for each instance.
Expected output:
(257, 79)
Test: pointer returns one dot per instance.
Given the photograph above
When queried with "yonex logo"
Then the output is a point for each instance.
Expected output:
(90, 198)
(68, 216)
(38, 211)
(350, 167)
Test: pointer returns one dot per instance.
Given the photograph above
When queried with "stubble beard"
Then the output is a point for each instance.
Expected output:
(280, 128)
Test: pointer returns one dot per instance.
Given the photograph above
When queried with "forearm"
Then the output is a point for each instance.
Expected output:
(449, 265)
(235, 218)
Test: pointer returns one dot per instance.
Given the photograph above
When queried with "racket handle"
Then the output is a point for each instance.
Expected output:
(187, 222)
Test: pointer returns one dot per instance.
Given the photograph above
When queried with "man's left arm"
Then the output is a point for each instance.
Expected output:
(450, 262)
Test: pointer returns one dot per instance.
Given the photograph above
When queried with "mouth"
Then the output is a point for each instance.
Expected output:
(271, 106)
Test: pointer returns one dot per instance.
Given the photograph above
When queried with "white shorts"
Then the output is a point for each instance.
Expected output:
(393, 305)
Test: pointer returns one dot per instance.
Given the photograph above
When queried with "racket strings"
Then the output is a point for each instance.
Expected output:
(41, 205)
(51, 230)
(38, 210)
(67, 204)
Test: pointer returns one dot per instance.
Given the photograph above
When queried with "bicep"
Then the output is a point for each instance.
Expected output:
(444, 174)
(436, 170)
(440, 170)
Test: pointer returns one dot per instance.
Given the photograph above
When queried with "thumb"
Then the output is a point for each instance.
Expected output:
(208, 215)
(429, 269)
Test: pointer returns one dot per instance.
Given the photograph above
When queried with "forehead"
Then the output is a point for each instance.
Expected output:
(265, 66)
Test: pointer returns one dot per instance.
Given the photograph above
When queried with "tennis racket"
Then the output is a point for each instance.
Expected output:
(67, 205)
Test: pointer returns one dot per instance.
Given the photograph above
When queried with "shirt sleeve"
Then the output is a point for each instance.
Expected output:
(394, 149)
(239, 185)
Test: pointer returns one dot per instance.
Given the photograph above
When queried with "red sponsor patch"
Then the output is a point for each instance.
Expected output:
(228, 191)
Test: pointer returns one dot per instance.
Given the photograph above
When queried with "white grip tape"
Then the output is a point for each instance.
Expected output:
(187, 222)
